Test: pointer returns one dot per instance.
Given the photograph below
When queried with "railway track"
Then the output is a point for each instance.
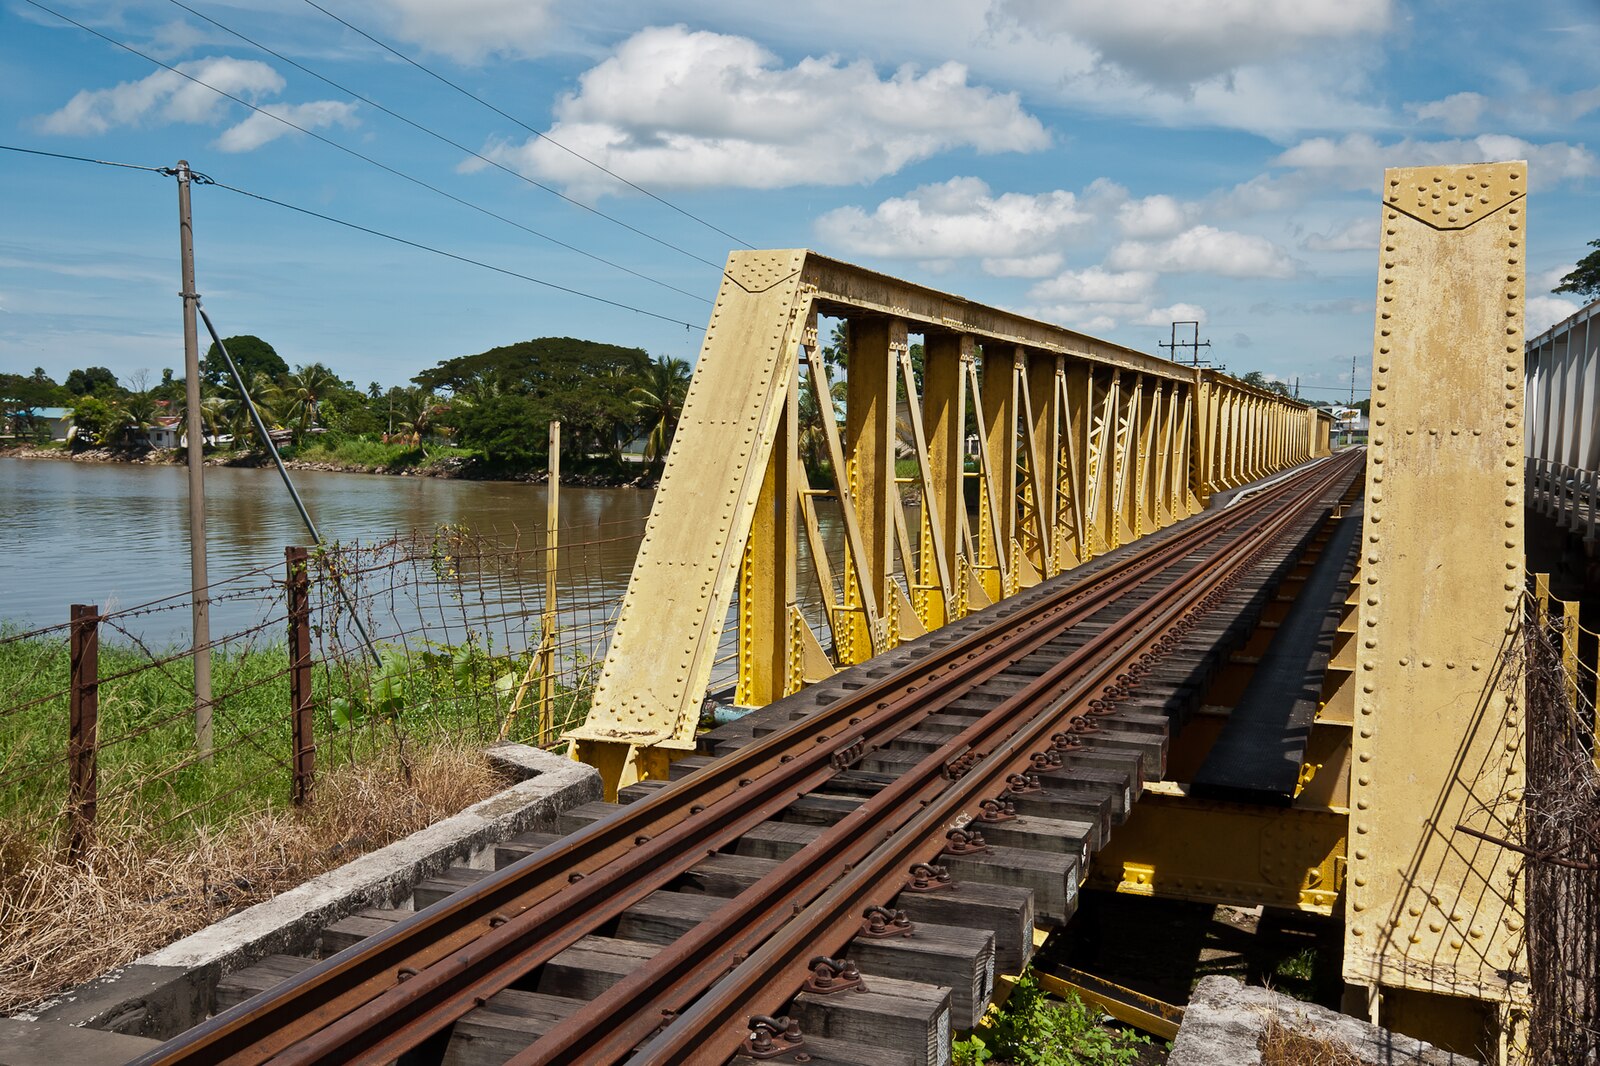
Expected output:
(899, 833)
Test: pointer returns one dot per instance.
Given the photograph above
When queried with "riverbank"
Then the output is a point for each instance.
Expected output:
(347, 457)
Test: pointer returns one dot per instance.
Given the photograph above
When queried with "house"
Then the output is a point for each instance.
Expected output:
(57, 419)
(165, 432)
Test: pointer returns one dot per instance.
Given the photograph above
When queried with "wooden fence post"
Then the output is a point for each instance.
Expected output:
(83, 727)
(302, 742)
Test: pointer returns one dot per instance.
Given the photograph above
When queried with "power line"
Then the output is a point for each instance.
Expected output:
(537, 133)
(350, 151)
(452, 255)
(202, 179)
(168, 171)
(456, 145)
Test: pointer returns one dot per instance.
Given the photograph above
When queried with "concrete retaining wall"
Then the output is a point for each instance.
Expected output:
(169, 990)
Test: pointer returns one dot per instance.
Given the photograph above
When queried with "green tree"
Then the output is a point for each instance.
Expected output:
(660, 401)
(585, 384)
(96, 421)
(92, 381)
(1585, 277)
(1261, 381)
(251, 355)
(21, 397)
(302, 395)
(505, 428)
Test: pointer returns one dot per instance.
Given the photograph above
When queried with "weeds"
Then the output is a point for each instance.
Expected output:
(1032, 1029)
(1282, 1046)
(62, 923)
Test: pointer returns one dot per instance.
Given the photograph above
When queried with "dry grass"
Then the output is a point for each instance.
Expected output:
(63, 923)
(1282, 1046)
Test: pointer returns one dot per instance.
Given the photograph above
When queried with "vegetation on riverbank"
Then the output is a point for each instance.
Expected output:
(482, 416)
(147, 762)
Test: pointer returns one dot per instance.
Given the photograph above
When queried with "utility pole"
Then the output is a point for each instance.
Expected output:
(197, 487)
(1352, 379)
(1195, 344)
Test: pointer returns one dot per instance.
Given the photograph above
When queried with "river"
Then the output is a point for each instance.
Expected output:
(116, 534)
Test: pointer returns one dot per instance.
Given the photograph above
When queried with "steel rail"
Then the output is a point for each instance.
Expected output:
(428, 1001)
(711, 1029)
(454, 929)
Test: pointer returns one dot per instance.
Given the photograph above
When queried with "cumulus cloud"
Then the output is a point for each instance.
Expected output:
(1180, 42)
(1154, 216)
(680, 108)
(1358, 235)
(1023, 266)
(961, 218)
(471, 30)
(262, 127)
(1542, 312)
(165, 97)
(1457, 113)
(1096, 285)
(1205, 250)
(1357, 160)
(1096, 299)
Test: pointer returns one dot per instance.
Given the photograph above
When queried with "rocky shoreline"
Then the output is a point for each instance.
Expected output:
(449, 467)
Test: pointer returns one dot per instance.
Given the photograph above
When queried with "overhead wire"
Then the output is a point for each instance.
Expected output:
(203, 179)
(335, 144)
(451, 255)
(454, 144)
(540, 134)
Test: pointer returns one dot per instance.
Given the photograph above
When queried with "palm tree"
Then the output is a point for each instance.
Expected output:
(418, 408)
(660, 400)
(303, 393)
(235, 416)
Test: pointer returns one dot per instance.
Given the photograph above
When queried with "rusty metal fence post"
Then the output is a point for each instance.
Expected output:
(83, 727)
(302, 740)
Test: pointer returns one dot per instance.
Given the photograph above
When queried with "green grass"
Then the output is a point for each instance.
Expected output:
(148, 767)
(374, 454)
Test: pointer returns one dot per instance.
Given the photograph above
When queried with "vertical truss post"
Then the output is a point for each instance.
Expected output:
(944, 405)
(999, 421)
(1431, 911)
(768, 587)
(869, 441)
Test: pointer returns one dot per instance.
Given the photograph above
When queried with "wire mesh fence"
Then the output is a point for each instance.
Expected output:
(456, 642)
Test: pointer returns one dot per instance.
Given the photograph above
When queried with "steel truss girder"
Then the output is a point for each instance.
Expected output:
(1081, 445)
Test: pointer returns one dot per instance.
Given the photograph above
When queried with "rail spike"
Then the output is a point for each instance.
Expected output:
(967, 841)
(830, 976)
(926, 877)
(770, 1037)
(881, 923)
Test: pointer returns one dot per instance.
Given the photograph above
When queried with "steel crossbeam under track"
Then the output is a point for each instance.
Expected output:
(1036, 448)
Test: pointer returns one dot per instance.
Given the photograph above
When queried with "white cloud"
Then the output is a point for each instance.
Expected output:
(1358, 235)
(1457, 113)
(957, 219)
(680, 108)
(1095, 285)
(1357, 160)
(1154, 216)
(1181, 42)
(261, 127)
(1096, 300)
(472, 30)
(1542, 312)
(1179, 312)
(1023, 266)
(1205, 250)
(1545, 280)
(165, 97)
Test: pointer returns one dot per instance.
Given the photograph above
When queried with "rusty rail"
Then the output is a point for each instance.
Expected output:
(390, 993)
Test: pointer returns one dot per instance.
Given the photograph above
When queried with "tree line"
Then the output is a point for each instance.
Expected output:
(494, 404)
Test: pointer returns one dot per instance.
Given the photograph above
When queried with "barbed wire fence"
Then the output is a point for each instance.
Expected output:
(97, 717)
(1560, 835)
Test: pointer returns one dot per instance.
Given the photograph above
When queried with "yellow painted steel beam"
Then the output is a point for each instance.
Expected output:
(1081, 445)
(1210, 851)
(1438, 737)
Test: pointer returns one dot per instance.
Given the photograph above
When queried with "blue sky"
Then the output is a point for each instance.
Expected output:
(1107, 166)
